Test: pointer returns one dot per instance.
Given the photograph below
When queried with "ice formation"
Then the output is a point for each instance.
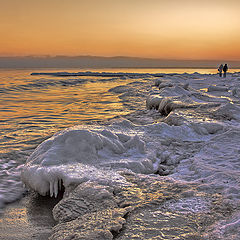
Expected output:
(211, 111)
(190, 131)
(78, 155)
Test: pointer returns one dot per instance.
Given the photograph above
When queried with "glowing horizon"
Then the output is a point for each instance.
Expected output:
(161, 29)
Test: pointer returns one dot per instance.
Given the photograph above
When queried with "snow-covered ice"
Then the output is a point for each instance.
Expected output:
(191, 134)
(78, 155)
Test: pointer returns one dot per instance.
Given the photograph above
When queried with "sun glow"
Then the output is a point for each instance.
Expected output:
(180, 29)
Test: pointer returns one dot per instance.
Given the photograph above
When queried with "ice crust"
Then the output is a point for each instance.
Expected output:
(189, 131)
(213, 111)
(188, 205)
(81, 154)
(78, 155)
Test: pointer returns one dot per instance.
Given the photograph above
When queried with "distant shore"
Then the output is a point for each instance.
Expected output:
(108, 62)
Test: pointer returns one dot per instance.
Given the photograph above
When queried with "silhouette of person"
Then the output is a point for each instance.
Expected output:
(220, 70)
(225, 68)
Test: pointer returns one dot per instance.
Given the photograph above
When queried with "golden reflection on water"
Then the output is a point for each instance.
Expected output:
(14, 224)
(88, 101)
(34, 107)
(204, 89)
(227, 98)
(29, 218)
(14, 216)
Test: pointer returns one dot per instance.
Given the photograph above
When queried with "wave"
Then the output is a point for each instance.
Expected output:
(42, 84)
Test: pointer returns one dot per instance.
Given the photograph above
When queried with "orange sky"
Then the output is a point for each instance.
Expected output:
(176, 29)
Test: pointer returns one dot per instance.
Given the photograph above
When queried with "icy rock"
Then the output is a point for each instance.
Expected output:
(153, 101)
(174, 91)
(236, 92)
(217, 88)
(158, 81)
(123, 124)
(227, 112)
(97, 225)
(168, 104)
(78, 155)
(85, 198)
(175, 119)
(163, 85)
(207, 127)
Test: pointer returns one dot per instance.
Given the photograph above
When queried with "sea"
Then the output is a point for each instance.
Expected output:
(33, 108)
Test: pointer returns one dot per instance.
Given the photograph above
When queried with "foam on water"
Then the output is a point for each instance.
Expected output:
(10, 185)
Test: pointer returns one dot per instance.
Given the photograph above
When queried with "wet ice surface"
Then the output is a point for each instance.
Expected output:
(138, 211)
(188, 205)
(185, 126)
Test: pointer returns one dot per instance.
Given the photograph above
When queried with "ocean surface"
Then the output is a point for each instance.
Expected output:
(183, 125)
(34, 107)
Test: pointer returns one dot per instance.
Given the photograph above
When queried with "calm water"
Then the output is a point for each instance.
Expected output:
(34, 107)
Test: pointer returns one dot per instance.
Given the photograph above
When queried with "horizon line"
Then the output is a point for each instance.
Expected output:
(108, 57)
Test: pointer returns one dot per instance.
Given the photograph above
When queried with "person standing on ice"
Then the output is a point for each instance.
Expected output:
(225, 68)
(220, 70)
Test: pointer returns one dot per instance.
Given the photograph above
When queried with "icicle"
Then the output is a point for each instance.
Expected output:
(60, 184)
(55, 187)
(51, 189)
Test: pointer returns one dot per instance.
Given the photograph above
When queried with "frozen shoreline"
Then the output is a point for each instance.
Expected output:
(190, 130)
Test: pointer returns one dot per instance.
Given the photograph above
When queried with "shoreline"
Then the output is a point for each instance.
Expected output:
(28, 218)
(197, 189)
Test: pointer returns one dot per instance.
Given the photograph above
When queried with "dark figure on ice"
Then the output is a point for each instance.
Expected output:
(225, 68)
(220, 70)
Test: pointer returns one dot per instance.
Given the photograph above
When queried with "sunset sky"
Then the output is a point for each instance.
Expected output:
(172, 29)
